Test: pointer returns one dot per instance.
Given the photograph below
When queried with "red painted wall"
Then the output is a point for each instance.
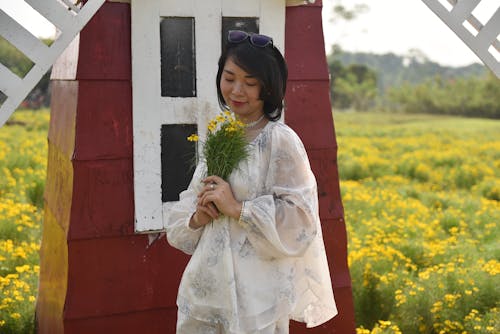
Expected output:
(96, 275)
(309, 113)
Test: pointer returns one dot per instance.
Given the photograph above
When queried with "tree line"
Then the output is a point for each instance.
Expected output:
(411, 84)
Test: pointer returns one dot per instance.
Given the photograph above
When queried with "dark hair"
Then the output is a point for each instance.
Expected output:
(267, 65)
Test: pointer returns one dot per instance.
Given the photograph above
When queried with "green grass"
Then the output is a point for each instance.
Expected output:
(421, 201)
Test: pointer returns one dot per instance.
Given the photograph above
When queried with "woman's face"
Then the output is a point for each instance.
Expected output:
(241, 92)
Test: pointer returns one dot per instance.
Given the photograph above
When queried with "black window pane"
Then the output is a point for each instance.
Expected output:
(178, 158)
(248, 24)
(178, 57)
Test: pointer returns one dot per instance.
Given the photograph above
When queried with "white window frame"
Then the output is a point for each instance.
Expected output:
(150, 110)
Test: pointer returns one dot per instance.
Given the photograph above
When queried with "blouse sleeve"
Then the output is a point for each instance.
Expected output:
(179, 234)
(284, 221)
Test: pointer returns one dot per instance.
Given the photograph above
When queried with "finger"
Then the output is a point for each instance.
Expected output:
(209, 187)
(203, 191)
(206, 188)
(212, 208)
(208, 212)
(207, 198)
(213, 179)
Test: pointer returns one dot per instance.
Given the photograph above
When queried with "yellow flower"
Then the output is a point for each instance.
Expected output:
(225, 145)
(21, 269)
(193, 138)
(15, 315)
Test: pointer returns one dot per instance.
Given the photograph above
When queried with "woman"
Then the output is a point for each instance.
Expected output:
(258, 257)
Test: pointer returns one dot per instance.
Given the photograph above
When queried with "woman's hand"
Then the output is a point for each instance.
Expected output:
(219, 192)
(204, 214)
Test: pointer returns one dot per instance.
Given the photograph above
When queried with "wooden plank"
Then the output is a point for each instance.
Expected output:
(490, 30)
(103, 199)
(272, 21)
(185, 8)
(104, 120)
(463, 9)
(121, 275)
(15, 97)
(58, 193)
(53, 280)
(242, 8)
(208, 34)
(66, 64)
(63, 108)
(71, 6)
(21, 38)
(158, 320)
(309, 112)
(307, 34)
(146, 114)
(106, 51)
(59, 186)
(8, 80)
(53, 11)
(324, 166)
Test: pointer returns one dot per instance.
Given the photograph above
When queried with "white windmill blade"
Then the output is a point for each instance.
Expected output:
(482, 40)
(67, 17)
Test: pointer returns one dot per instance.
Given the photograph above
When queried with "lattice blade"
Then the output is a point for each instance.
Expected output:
(462, 9)
(490, 31)
(43, 57)
(8, 80)
(21, 38)
(486, 34)
(52, 10)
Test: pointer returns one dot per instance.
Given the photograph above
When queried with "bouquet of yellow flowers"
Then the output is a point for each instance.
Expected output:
(225, 146)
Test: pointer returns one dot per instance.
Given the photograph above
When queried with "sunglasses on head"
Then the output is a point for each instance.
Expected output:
(238, 36)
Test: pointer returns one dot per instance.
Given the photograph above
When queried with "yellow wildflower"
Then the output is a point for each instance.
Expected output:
(193, 138)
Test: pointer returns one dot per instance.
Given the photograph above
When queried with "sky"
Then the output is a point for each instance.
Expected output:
(388, 26)
(401, 25)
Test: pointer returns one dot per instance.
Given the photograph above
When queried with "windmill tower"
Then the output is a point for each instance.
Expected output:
(116, 114)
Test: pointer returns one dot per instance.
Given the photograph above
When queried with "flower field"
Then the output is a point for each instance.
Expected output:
(422, 203)
(23, 163)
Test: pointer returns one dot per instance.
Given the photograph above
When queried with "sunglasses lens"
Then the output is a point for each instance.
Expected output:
(236, 36)
(261, 40)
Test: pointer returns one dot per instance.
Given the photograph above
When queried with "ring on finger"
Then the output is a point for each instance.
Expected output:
(212, 186)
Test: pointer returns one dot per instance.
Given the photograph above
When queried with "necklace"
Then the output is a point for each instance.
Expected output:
(254, 123)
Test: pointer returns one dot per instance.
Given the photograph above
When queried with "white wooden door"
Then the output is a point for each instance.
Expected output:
(153, 109)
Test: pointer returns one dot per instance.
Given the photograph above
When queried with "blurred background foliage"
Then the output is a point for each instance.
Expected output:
(409, 83)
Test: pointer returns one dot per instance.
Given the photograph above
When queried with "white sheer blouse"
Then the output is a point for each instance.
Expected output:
(271, 263)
